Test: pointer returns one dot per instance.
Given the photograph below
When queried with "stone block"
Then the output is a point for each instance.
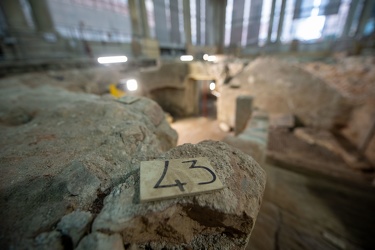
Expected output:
(74, 148)
(48, 240)
(221, 219)
(326, 139)
(282, 121)
(281, 87)
(75, 225)
(243, 112)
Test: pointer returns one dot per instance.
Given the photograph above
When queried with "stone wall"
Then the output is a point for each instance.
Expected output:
(354, 78)
(169, 86)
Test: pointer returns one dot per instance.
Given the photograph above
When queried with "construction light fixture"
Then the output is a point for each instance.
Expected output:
(211, 58)
(212, 86)
(132, 85)
(186, 58)
(112, 59)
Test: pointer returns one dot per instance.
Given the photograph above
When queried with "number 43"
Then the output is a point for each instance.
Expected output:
(180, 184)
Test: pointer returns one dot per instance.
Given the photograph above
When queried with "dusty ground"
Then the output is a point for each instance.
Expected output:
(196, 129)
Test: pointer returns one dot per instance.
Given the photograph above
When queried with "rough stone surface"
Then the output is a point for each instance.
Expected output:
(48, 240)
(304, 211)
(219, 220)
(280, 87)
(69, 150)
(354, 78)
(286, 121)
(169, 86)
(327, 140)
(267, 227)
(99, 241)
(94, 80)
(253, 140)
(75, 225)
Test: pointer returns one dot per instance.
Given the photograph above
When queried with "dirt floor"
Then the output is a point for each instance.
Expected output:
(196, 129)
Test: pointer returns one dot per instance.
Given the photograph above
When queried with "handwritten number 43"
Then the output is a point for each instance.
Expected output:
(180, 184)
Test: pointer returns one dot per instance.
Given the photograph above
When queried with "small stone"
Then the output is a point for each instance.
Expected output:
(128, 99)
(99, 241)
(75, 225)
(224, 127)
(49, 240)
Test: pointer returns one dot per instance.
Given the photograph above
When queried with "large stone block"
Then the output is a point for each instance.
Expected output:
(243, 112)
(253, 140)
(69, 150)
(220, 220)
(280, 87)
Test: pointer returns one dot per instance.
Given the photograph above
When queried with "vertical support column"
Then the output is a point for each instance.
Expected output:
(175, 32)
(219, 8)
(41, 15)
(187, 22)
(16, 21)
(349, 19)
(365, 15)
(144, 19)
(254, 22)
(281, 21)
(209, 23)
(161, 31)
(14, 15)
(135, 20)
(198, 18)
(136, 28)
(219, 24)
(237, 21)
(244, 106)
(270, 25)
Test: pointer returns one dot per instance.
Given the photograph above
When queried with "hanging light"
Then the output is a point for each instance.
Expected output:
(186, 58)
(112, 59)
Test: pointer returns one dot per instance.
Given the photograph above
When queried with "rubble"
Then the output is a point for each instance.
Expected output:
(75, 225)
